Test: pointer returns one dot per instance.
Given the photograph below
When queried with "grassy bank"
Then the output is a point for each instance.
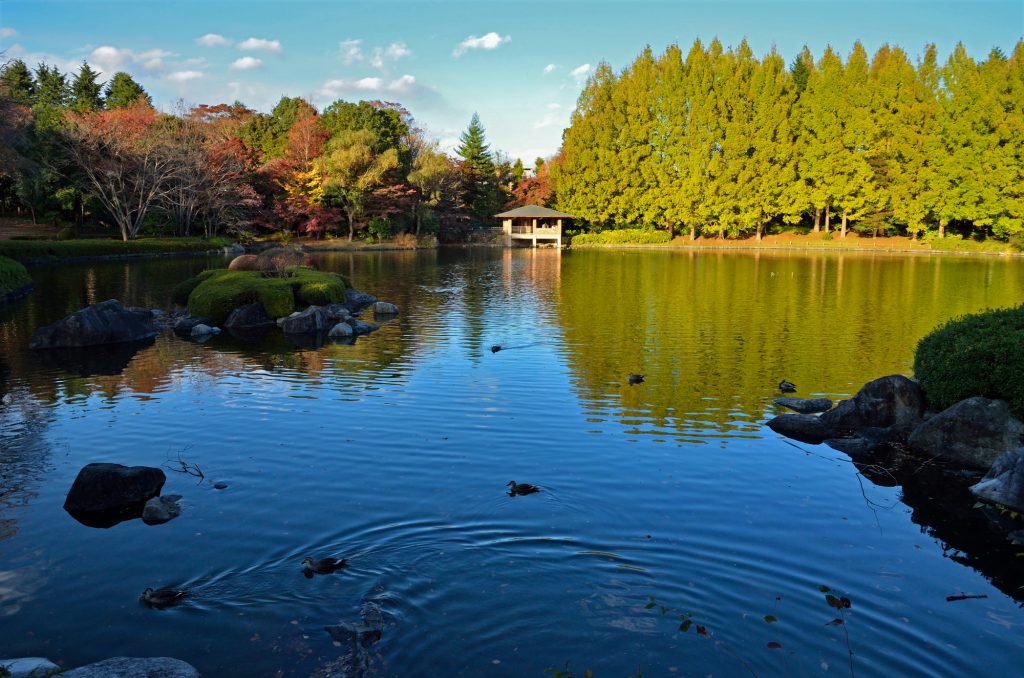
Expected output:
(13, 276)
(343, 245)
(796, 241)
(40, 250)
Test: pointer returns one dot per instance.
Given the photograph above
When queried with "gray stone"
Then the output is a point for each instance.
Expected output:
(107, 322)
(313, 319)
(29, 667)
(1004, 482)
(248, 317)
(973, 432)
(803, 427)
(805, 405)
(337, 313)
(203, 330)
(135, 667)
(185, 324)
(360, 327)
(357, 301)
(107, 487)
(341, 331)
(160, 510)
(384, 308)
(865, 442)
(889, 402)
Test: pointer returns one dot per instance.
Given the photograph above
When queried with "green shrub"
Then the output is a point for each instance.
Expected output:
(13, 276)
(220, 291)
(626, 236)
(976, 355)
(22, 250)
(827, 235)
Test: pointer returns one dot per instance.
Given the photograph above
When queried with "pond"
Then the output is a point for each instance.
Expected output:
(395, 452)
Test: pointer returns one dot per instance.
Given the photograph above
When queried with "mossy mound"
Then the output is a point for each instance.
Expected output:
(976, 355)
(14, 276)
(218, 292)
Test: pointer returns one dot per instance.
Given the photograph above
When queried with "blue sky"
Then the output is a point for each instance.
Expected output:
(520, 65)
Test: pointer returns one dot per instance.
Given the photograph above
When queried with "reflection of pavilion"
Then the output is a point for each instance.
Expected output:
(533, 223)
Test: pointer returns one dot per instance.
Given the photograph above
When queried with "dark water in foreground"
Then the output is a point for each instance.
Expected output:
(395, 452)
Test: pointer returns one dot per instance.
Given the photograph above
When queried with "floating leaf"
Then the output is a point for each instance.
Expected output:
(664, 610)
(771, 619)
(824, 589)
(650, 604)
(685, 626)
(702, 631)
(838, 603)
(835, 622)
(774, 646)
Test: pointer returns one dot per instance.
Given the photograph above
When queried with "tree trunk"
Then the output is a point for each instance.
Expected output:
(419, 218)
(844, 223)
(693, 232)
(942, 228)
(721, 233)
(817, 219)
(828, 216)
(351, 226)
(760, 228)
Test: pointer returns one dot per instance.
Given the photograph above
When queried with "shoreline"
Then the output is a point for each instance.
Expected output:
(17, 294)
(86, 258)
(792, 248)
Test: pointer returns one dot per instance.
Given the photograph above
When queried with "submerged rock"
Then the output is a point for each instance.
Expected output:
(1004, 482)
(803, 427)
(805, 405)
(107, 322)
(248, 317)
(973, 432)
(185, 324)
(102, 487)
(384, 308)
(159, 510)
(135, 667)
(28, 667)
(203, 330)
(313, 319)
(889, 402)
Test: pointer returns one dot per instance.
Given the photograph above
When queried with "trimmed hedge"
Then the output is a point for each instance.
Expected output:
(13, 276)
(22, 250)
(625, 236)
(975, 355)
(218, 292)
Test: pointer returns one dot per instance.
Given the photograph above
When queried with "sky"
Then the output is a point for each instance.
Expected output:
(520, 65)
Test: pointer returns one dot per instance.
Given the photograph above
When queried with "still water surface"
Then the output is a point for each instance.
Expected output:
(395, 452)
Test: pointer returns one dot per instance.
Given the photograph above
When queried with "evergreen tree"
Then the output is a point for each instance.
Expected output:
(479, 190)
(801, 68)
(853, 190)
(122, 91)
(518, 172)
(86, 91)
(16, 82)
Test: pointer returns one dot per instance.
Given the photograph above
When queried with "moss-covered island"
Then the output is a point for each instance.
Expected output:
(14, 278)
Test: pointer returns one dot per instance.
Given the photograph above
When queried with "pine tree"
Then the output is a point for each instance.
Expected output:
(86, 91)
(479, 191)
(16, 82)
(518, 172)
(122, 91)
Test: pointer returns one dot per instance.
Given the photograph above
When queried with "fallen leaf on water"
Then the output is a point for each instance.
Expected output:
(771, 619)
(774, 646)
(702, 631)
(835, 622)
(838, 603)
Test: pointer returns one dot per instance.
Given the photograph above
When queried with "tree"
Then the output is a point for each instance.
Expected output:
(17, 83)
(122, 92)
(433, 177)
(351, 171)
(86, 90)
(518, 172)
(479, 188)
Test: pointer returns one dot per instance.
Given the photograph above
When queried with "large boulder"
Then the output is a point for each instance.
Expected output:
(248, 317)
(107, 322)
(245, 262)
(890, 402)
(28, 667)
(203, 331)
(974, 432)
(803, 427)
(805, 405)
(1004, 482)
(313, 319)
(105, 487)
(135, 667)
(357, 301)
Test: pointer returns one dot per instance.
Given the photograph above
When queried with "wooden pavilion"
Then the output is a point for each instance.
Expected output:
(533, 223)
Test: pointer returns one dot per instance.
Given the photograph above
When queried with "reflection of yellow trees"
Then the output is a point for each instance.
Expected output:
(715, 332)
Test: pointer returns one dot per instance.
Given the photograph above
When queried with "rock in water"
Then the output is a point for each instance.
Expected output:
(973, 432)
(184, 325)
(337, 313)
(28, 667)
(313, 319)
(107, 322)
(892, 401)
(341, 331)
(133, 667)
(1004, 482)
(357, 301)
(109, 487)
(359, 327)
(805, 405)
(203, 330)
(803, 427)
(384, 308)
(248, 317)
(160, 510)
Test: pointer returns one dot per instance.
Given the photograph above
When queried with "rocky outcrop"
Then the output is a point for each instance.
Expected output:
(973, 432)
(28, 667)
(133, 667)
(248, 317)
(313, 319)
(159, 510)
(102, 487)
(341, 331)
(384, 308)
(889, 402)
(1004, 482)
(337, 313)
(803, 427)
(357, 301)
(107, 322)
(805, 405)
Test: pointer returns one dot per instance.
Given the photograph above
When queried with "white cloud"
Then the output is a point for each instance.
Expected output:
(261, 44)
(581, 72)
(548, 120)
(554, 107)
(183, 76)
(377, 60)
(245, 64)
(351, 51)
(550, 68)
(213, 40)
(7, 32)
(489, 41)
(334, 89)
(397, 50)
(109, 59)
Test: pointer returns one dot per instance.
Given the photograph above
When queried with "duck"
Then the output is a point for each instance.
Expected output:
(161, 598)
(322, 565)
(636, 379)
(515, 488)
(495, 348)
(787, 386)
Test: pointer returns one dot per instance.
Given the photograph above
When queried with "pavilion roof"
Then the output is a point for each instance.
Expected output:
(533, 211)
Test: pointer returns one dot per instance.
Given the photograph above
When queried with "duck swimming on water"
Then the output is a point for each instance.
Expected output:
(515, 488)
(161, 598)
(787, 386)
(322, 565)
(495, 348)
(636, 379)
